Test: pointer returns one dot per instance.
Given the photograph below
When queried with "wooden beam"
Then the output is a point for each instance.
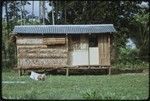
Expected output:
(67, 46)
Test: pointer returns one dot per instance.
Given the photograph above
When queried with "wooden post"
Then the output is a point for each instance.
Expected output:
(20, 71)
(23, 71)
(67, 46)
(109, 54)
(67, 68)
(109, 70)
(88, 54)
(109, 50)
(67, 71)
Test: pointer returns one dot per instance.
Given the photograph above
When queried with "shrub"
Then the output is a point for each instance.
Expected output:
(129, 58)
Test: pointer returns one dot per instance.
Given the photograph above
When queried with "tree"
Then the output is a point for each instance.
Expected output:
(140, 33)
(12, 16)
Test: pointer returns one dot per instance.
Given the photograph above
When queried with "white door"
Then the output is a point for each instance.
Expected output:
(80, 57)
(94, 55)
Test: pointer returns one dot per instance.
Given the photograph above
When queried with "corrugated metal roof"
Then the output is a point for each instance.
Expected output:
(64, 29)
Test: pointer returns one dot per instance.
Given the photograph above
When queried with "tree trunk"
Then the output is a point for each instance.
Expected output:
(39, 11)
(14, 9)
(24, 14)
(65, 11)
(53, 20)
(43, 12)
(32, 9)
(21, 13)
(6, 11)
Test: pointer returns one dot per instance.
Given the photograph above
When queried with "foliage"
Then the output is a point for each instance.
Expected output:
(128, 58)
(140, 33)
(12, 13)
(9, 47)
(123, 87)
(14, 9)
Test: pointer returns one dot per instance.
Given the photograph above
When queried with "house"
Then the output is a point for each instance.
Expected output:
(63, 46)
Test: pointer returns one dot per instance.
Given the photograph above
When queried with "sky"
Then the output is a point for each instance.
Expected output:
(36, 7)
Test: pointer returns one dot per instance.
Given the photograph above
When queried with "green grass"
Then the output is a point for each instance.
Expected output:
(132, 86)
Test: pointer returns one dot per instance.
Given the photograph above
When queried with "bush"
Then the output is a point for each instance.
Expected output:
(129, 58)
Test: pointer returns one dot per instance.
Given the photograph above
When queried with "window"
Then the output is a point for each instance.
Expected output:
(93, 42)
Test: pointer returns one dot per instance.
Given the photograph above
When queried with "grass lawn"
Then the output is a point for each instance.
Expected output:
(123, 86)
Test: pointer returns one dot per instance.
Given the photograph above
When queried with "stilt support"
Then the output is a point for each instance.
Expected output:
(20, 72)
(109, 71)
(67, 71)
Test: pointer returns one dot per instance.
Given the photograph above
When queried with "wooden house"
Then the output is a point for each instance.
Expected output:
(63, 46)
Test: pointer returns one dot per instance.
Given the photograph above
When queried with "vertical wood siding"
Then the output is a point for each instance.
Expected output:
(104, 49)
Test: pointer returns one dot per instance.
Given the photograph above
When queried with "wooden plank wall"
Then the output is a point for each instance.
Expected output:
(104, 49)
(33, 52)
